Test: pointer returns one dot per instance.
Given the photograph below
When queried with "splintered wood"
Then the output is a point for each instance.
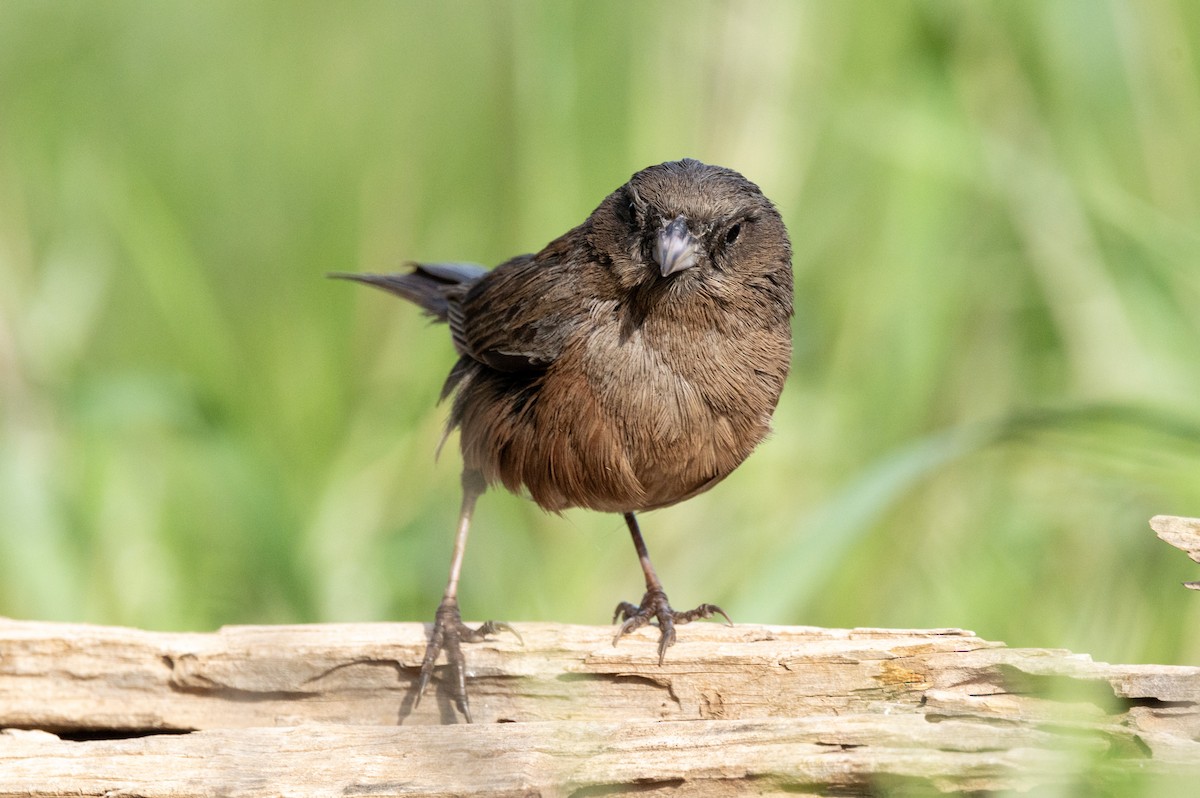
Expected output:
(1183, 534)
(328, 710)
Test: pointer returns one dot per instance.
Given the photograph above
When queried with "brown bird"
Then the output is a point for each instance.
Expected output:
(631, 364)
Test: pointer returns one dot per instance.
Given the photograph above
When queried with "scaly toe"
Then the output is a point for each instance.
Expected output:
(449, 632)
(655, 607)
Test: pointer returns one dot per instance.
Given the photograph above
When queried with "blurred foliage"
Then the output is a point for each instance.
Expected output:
(995, 209)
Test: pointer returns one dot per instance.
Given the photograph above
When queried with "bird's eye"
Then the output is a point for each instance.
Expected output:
(732, 234)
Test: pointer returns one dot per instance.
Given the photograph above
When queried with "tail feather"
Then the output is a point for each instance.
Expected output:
(426, 285)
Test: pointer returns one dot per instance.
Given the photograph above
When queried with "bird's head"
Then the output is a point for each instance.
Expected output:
(685, 230)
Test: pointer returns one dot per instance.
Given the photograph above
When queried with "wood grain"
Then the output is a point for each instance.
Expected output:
(328, 710)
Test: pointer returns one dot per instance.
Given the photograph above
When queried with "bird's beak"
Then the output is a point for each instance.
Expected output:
(676, 249)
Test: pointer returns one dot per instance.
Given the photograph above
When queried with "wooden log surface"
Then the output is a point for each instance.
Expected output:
(327, 709)
(75, 678)
(850, 755)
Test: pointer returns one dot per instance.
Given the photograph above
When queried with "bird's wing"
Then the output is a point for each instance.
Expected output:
(518, 317)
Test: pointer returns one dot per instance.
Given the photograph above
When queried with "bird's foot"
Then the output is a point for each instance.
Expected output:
(449, 632)
(655, 607)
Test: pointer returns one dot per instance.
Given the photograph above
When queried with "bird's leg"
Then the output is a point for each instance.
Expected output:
(654, 604)
(449, 632)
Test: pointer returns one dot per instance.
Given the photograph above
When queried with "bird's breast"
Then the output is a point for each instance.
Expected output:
(675, 414)
(625, 420)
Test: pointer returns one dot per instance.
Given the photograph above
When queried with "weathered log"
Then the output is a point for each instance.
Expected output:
(327, 709)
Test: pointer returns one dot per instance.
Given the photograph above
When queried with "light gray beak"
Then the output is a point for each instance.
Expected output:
(676, 249)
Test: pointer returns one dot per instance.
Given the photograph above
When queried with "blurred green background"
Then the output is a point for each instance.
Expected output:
(994, 208)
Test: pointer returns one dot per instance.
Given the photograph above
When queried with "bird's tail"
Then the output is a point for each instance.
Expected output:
(428, 285)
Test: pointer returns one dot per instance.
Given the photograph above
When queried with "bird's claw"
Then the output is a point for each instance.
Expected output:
(655, 607)
(449, 632)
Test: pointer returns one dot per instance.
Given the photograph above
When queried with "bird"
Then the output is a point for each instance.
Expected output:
(631, 364)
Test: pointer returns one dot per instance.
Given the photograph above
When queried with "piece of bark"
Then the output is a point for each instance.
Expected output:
(1183, 534)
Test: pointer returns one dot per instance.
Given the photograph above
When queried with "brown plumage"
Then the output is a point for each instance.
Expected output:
(631, 364)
